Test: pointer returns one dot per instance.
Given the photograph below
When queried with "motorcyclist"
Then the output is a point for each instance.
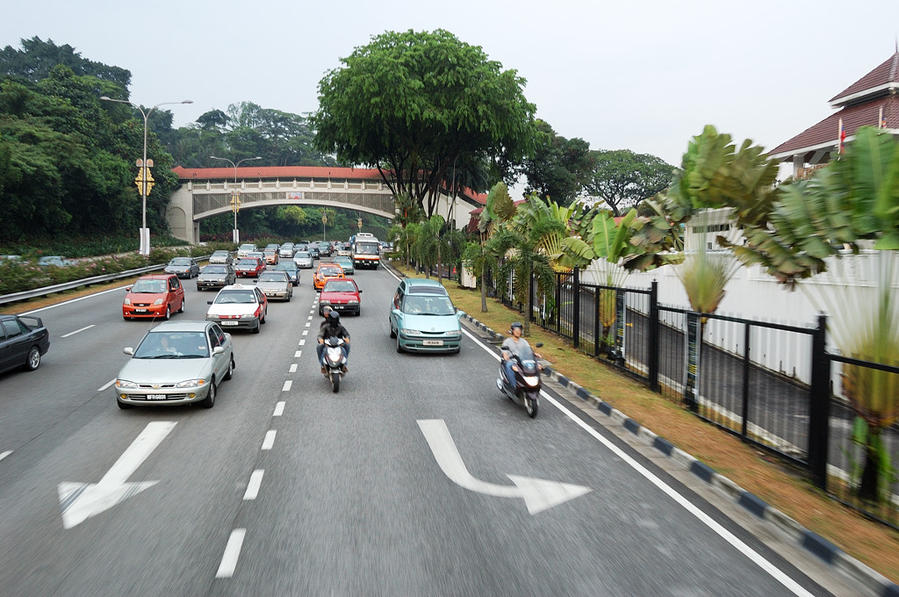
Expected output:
(333, 327)
(320, 348)
(514, 346)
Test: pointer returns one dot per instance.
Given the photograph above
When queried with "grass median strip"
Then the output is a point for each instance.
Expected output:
(770, 480)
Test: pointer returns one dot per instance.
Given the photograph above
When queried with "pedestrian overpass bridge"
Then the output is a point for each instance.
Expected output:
(206, 192)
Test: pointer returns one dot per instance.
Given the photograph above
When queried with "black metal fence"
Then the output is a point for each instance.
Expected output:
(768, 383)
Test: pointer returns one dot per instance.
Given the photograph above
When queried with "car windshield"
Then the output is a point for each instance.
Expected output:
(180, 261)
(230, 297)
(248, 262)
(285, 266)
(214, 269)
(428, 305)
(149, 286)
(173, 345)
(247, 247)
(220, 254)
(302, 254)
(367, 248)
(273, 277)
(340, 286)
(330, 271)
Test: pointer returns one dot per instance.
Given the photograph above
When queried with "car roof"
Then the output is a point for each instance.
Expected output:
(156, 277)
(424, 286)
(181, 326)
(238, 287)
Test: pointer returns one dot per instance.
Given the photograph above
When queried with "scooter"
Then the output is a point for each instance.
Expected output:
(525, 388)
(334, 361)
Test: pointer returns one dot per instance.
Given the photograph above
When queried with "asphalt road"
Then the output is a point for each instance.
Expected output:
(350, 499)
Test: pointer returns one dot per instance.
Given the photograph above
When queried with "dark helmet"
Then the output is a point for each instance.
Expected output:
(516, 324)
(334, 317)
(326, 309)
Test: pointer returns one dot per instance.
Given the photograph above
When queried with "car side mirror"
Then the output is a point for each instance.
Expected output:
(208, 302)
(460, 314)
(218, 350)
(129, 350)
(360, 291)
(127, 289)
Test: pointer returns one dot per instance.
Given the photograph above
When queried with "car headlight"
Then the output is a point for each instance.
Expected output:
(248, 316)
(127, 301)
(409, 332)
(158, 301)
(124, 383)
(454, 333)
(352, 302)
(325, 302)
(190, 383)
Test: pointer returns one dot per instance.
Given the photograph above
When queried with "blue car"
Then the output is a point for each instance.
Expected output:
(423, 318)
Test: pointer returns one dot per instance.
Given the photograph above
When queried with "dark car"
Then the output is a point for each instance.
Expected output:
(324, 248)
(290, 268)
(214, 276)
(183, 267)
(23, 341)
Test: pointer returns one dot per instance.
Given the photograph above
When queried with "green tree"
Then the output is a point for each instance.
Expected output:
(37, 58)
(559, 167)
(622, 178)
(413, 103)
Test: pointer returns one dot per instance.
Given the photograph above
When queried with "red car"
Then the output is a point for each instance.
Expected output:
(342, 295)
(156, 296)
(249, 267)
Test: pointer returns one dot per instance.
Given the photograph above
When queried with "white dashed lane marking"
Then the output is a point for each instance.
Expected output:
(5, 454)
(107, 385)
(279, 409)
(286, 387)
(87, 327)
(232, 553)
(254, 484)
(269, 440)
(302, 342)
(293, 368)
(297, 354)
(305, 332)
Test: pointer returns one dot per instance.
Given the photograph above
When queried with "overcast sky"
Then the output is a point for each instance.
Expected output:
(640, 75)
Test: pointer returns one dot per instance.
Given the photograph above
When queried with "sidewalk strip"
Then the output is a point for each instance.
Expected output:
(232, 552)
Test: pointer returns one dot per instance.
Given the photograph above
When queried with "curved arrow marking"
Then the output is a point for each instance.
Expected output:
(538, 494)
(80, 501)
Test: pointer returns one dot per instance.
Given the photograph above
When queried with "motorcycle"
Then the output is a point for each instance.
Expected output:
(525, 388)
(334, 361)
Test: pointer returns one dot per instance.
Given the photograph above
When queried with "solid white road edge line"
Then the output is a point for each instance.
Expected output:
(286, 387)
(269, 440)
(254, 484)
(232, 552)
(75, 300)
(87, 327)
(279, 409)
(107, 385)
(750, 553)
(5, 454)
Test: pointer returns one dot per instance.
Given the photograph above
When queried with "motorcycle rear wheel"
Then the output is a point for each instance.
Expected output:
(335, 381)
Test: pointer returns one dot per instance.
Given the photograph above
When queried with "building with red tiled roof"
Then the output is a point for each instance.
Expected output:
(873, 100)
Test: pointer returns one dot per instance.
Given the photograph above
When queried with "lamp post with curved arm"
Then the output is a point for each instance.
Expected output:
(235, 197)
(144, 175)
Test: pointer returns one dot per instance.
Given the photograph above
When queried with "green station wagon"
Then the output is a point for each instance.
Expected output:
(423, 318)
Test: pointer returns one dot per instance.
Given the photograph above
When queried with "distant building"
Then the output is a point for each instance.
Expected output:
(873, 100)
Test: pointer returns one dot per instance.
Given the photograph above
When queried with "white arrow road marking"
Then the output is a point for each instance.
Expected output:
(80, 501)
(538, 494)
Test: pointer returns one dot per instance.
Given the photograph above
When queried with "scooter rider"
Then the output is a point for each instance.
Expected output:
(514, 346)
(320, 348)
(333, 328)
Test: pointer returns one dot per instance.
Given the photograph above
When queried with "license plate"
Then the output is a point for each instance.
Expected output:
(432, 342)
(140, 310)
(228, 322)
(156, 396)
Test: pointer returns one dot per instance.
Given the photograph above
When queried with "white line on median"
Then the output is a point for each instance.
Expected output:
(87, 327)
(81, 298)
(305, 332)
(107, 385)
(279, 409)
(297, 354)
(286, 386)
(269, 440)
(232, 552)
(308, 323)
(254, 484)
(747, 551)
(309, 318)
(5, 454)
(293, 368)
(302, 342)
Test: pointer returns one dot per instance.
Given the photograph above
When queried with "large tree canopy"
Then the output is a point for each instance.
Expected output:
(37, 58)
(414, 103)
(559, 167)
(622, 178)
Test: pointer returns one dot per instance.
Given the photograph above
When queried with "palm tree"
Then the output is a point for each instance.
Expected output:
(483, 256)
(428, 244)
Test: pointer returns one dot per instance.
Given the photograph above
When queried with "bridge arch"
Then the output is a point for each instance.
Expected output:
(206, 192)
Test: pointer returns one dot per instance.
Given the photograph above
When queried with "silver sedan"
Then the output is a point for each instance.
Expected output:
(275, 284)
(176, 363)
(303, 259)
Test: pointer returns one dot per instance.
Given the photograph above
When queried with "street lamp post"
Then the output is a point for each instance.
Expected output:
(144, 175)
(235, 196)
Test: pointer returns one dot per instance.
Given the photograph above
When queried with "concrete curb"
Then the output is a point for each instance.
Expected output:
(812, 542)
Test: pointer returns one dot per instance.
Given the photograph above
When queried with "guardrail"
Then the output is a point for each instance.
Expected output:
(45, 290)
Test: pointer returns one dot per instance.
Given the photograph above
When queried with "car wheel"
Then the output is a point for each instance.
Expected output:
(126, 318)
(264, 313)
(181, 309)
(34, 359)
(230, 372)
(289, 294)
(123, 405)
(392, 333)
(168, 312)
(399, 347)
(199, 289)
(209, 401)
(257, 328)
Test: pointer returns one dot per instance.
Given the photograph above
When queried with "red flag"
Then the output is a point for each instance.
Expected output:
(842, 135)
